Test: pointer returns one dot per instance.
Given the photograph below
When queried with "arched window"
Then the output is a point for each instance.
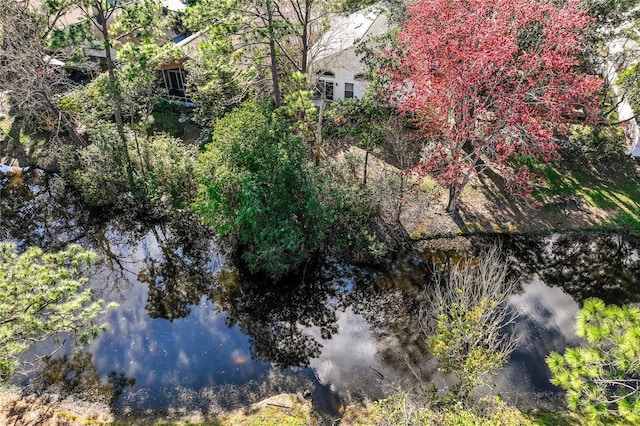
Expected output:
(326, 73)
(360, 77)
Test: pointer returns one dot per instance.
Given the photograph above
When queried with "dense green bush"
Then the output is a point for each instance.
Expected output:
(90, 102)
(163, 166)
(168, 169)
(257, 186)
(97, 169)
(352, 214)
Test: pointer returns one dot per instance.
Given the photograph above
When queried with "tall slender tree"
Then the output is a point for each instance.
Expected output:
(278, 32)
(101, 14)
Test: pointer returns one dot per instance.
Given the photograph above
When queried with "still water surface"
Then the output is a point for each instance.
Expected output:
(195, 333)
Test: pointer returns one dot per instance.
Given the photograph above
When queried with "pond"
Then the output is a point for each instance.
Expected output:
(192, 333)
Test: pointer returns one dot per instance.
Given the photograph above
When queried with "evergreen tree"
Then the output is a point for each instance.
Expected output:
(603, 376)
(43, 295)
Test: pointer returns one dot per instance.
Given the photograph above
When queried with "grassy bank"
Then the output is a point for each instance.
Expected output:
(570, 197)
(614, 189)
(488, 412)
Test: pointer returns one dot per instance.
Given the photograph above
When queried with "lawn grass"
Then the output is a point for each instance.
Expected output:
(616, 191)
(168, 122)
(27, 147)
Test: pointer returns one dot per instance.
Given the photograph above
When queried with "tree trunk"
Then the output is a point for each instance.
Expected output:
(305, 38)
(454, 195)
(275, 79)
(366, 163)
(115, 94)
(455, 190)
(400, 197)
(319, 131)
(403, 179)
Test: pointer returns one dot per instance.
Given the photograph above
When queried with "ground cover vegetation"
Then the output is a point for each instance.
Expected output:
(268, 170)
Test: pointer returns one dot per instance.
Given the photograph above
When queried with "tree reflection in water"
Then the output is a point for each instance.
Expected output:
(177, 261)
(390, 303)
(183, 272)
(36, 211)
(274, 315)
(77, 376)
(582, 264)
(389, 298)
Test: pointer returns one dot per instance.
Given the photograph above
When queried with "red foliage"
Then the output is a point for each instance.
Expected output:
(488, 79)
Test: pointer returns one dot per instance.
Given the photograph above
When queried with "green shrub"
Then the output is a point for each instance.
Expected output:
(96, 170)
(402, 409)
(163, 167)
(595, 145)
(257, 186)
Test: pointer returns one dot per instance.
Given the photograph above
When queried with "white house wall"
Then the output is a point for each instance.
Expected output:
(335, 51)
(345, 66)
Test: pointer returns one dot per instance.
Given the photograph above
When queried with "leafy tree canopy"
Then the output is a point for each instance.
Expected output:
(488, 79)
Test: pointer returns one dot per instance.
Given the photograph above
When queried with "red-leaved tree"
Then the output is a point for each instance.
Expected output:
(488, 80)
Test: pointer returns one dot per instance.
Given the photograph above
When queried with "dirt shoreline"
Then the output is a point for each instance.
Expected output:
(50, 410)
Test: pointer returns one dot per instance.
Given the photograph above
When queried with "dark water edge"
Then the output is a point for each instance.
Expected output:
(198, 335)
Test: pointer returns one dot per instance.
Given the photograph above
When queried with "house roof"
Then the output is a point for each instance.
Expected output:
(52, 61)
(71, 17)
(190, 44)
(347, 31)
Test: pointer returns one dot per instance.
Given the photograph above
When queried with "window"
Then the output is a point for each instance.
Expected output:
(324, 89)
(175, 83)
(325, 86)
(360, 77)
(348, 90)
